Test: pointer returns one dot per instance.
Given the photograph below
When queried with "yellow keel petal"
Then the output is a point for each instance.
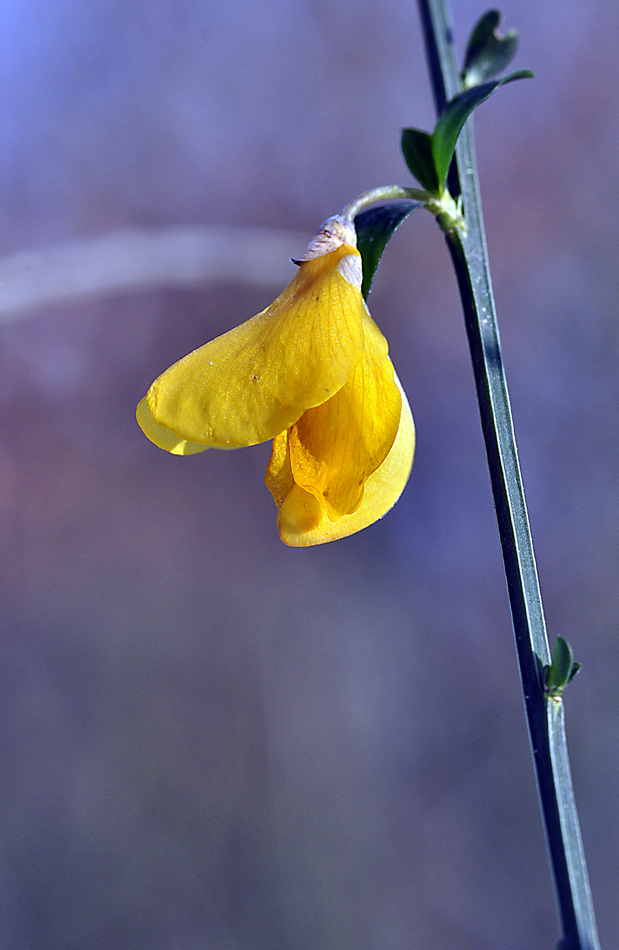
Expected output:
(258, 379)
(335, 447)
(303, 521)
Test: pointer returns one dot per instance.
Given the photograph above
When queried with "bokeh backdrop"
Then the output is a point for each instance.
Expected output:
(209, 741)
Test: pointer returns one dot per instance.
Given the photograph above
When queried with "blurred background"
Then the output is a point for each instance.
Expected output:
(209, 741)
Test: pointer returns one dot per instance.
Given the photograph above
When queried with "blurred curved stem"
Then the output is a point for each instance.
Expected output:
(385, 193)
(544, 713)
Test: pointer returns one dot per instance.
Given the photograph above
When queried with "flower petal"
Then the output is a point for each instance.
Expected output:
(303, 520)
(258, 379)
(335, 447)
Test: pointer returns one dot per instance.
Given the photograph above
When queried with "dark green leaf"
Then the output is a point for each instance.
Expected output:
(487, 53)
(575, 668)
(454, 116)
(374, 228)
(417, 151)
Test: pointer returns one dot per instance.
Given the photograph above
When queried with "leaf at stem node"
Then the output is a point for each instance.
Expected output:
(562, 668)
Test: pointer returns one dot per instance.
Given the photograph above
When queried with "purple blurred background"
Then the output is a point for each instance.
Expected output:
(209, 741)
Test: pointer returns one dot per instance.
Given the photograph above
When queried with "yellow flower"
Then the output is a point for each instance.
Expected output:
(312, 373)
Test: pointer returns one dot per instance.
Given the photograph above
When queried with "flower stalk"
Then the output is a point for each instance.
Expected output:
(545, 713)
(444, 207)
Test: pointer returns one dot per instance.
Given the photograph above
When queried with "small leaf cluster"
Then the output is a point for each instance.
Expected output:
(428, 155)
(562, 668)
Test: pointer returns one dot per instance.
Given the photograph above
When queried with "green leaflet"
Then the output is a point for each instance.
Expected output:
(454, 116)
(417, 151)
(487, 53)
(374, 229)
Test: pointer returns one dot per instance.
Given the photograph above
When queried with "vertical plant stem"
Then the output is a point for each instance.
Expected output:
(544, 713)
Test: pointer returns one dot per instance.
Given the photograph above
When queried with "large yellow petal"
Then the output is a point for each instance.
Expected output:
(255, 381)
(303, 521)
(335, 447)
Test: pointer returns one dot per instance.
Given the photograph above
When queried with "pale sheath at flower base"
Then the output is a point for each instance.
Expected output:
(311, 372)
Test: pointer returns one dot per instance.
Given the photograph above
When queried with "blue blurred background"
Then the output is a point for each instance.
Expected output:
(209, 741)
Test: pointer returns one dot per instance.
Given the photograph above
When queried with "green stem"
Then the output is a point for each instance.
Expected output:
(544, 714)
(385, 193)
